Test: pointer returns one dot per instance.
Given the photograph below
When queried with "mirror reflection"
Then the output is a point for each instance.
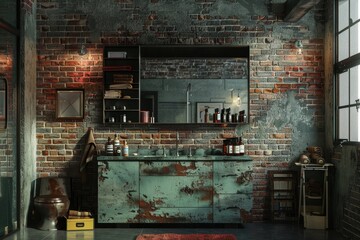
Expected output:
(176, 84)
(207, 90)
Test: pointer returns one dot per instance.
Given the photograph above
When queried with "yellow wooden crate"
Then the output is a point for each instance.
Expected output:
(83, 235)
(79, 224)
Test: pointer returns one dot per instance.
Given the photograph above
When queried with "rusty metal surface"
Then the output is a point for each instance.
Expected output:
(233, 177)
(176, 168)
(176, 215)
(175, 192)
(233, 188)
(118, 192)
(232, 208)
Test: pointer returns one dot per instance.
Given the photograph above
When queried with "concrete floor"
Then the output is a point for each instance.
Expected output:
(250, 231)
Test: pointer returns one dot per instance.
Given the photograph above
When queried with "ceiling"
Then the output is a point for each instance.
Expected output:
(291, 10)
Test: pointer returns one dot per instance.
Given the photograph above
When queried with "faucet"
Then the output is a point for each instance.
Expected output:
(177, 144)
(190, 150)
(164, 151)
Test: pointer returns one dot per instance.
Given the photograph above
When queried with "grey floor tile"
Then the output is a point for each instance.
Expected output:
(250, 231)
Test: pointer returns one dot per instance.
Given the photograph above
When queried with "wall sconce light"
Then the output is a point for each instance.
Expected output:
(5, 53)
(299, 45)
(83, 51)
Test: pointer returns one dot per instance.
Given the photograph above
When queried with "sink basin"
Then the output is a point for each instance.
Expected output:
(167, 157)
(151, 156)
(181, 157)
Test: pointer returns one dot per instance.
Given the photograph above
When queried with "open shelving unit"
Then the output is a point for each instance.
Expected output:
(121, 102)
(283, 186)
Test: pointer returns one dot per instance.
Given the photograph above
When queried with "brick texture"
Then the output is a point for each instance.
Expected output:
(283, 82)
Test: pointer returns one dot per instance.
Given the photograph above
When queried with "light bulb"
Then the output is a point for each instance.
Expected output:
(238, 101)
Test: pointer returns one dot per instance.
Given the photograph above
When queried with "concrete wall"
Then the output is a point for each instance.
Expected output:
(27, 105)
(287, 103)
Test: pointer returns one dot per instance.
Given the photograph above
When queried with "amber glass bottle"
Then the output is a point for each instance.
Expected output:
(242, 146)
(236, 146)
(217, 116)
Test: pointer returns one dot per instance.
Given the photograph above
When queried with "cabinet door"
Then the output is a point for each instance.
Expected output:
(118, 192)
(233, 189)
(176, 192)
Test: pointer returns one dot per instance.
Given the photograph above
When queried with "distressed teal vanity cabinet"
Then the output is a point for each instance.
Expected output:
(133, 190)
(118, 192)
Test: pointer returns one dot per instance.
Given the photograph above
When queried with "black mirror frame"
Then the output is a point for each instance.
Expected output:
(200, 51)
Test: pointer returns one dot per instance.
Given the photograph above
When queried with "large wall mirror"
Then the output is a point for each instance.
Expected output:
(188, 84)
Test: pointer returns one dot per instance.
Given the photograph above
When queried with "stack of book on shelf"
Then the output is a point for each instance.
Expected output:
(78, 214)
(79, 220)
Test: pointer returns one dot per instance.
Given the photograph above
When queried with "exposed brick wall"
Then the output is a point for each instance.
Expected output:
(27, 5)
(7, 142)
(286, 88)
(195, 68)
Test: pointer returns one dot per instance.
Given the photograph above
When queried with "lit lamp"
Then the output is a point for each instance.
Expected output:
(237, 100)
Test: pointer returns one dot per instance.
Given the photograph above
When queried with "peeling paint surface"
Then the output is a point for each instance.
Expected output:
(292, 117)
(118, 192)
(233, 190)
(174, 192)
(177, 192)
(233, 177)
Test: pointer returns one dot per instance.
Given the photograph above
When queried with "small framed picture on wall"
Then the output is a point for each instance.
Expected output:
(70, 104)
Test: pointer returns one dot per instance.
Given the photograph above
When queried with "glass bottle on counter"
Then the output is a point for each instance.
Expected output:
(236, 146)
(225, 146)
(109, 147)
(117, 146)
(230, 147)
(126, 149)
(242, 147)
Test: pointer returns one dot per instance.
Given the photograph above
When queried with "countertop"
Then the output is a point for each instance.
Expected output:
(174, 158)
